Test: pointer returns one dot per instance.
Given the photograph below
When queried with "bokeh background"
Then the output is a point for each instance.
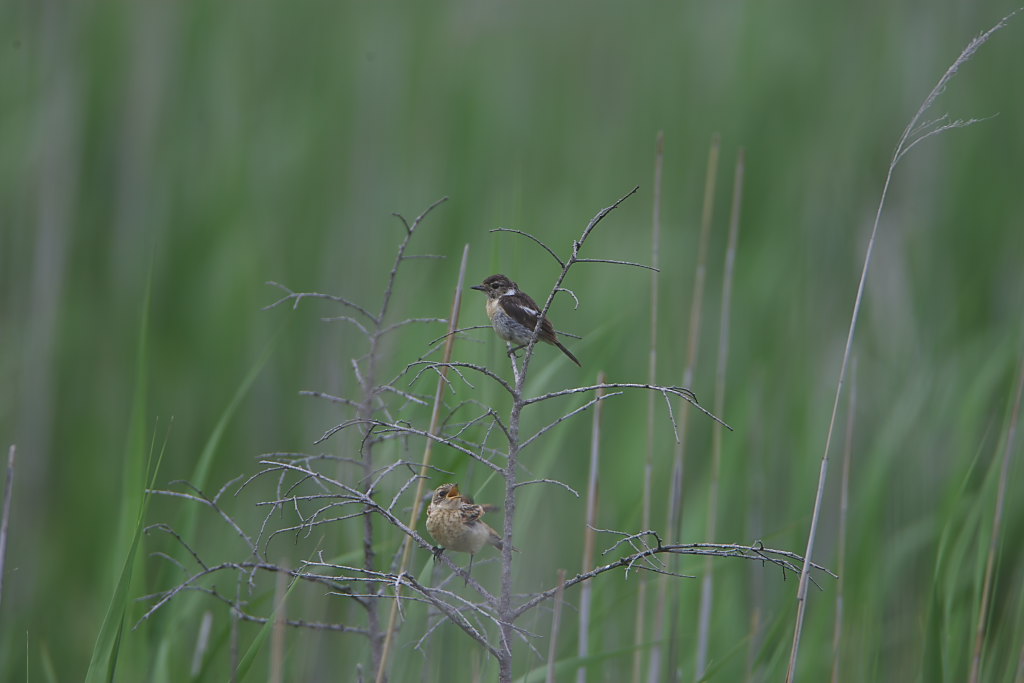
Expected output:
(160, 161)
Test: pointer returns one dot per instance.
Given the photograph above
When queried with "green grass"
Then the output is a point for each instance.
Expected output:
(205, 149)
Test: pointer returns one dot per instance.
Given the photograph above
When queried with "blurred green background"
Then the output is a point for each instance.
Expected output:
(193, 151)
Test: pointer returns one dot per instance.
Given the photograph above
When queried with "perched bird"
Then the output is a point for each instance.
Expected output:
(454, 522)
(514, 315)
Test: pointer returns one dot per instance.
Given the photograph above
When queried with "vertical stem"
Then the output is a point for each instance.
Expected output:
(428, 449)
(505, 615)
(675, 513)
(997, 526)
(365, 411)
(707, 585)
(276, 673)
(505, 598)
(6, 517)
(556, 623)
(844, 500)
(589, 536)
(652, 368)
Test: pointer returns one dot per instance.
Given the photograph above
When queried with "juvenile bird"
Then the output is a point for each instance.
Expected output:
(514, 314)
(454, 522)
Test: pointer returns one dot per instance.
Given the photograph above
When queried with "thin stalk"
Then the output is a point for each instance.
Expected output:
(556, 623)
(589, 534)
(997, 528)
(652, 372)
(428, 449)
(707, 584)
(509, 474)
(202, 644)
(6, 518)
(844, 503)
(912, 134)
(675, 513)
(276, 673)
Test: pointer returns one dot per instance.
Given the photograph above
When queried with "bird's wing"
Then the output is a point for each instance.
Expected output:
(471, 513)
(524, 310)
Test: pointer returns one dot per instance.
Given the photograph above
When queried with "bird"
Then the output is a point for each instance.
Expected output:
(454, 522)
(514, 314)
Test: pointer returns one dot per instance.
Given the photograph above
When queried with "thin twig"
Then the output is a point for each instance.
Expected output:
(551, 425)
(528, 235)
(617, 262)
(471, 366)
(680, 392)
(299, 296)
(784, 559)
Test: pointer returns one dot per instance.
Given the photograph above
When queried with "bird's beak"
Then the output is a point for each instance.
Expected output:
(479, 288)
(454, 493)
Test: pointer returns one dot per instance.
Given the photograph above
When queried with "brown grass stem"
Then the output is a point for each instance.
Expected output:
(276, 673)
(556, 624)
(6, 518)
(435, 420)
(589, 534)
(707, 581)
(997, 531)
(641, 617)
(674, 521)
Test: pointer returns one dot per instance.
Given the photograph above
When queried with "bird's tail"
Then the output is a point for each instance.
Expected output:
(567, 352)
(494, 539)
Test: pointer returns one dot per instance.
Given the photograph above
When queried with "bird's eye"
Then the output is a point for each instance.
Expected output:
(494, 285)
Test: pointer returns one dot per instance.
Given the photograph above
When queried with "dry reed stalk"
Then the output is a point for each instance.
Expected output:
(556, 623)
(997, 527)
(6, 518)
(675, 513)
(589, 535)
(707, 583)
(428, 449)
(652, 370)
(276, 673)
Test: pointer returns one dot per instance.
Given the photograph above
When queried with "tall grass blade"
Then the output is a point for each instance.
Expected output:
(912, 134)
(134, 499)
